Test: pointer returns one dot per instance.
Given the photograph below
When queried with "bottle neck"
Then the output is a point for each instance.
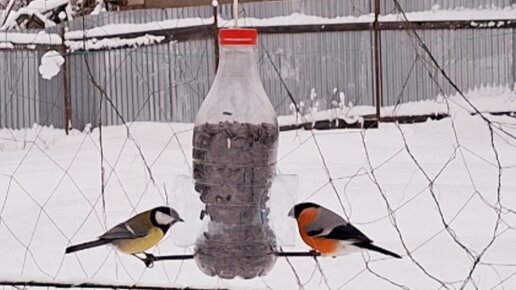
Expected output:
(238, 61)
(237, 93)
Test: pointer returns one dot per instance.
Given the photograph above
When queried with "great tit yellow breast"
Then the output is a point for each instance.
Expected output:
(139, 245)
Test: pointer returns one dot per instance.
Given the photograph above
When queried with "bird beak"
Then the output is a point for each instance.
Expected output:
(291, 213)
(180, 220)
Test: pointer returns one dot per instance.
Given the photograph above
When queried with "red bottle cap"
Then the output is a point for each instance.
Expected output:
(238, 36)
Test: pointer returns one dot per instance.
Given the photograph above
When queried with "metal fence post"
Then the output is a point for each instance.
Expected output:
(215, 32)
(377, 60)
(66, 90)
(514, 54)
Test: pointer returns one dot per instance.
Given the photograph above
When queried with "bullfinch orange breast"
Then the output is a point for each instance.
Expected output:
(329, 234)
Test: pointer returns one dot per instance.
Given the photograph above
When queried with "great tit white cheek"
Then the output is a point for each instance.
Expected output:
(163, 219)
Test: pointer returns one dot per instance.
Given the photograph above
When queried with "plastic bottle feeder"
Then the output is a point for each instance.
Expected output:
(235, 143)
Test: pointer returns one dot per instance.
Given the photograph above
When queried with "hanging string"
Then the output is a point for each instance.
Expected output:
(235, 12)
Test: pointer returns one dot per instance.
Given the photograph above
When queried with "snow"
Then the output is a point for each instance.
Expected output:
(436, 14)
(51, 63)
(30, 38)
(36, 7)
(50, 192)
(115, 29)
(62, 15)
(100, 7)
(49, 183)
(115, 42)
(45, 5)
(482, 99)
(491, 13)
(7, 45)
(497, 16)
(295, 19)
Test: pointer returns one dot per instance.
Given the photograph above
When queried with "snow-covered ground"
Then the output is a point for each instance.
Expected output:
(49, 183)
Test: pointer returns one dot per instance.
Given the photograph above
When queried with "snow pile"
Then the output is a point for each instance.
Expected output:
(37, 8)
(483, 99)
(51, 63)
(44, 5)
(116, 42)
(16, 140)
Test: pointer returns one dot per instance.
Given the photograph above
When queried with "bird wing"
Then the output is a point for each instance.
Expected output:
(325, 222)
(347, 233)
(123, 231)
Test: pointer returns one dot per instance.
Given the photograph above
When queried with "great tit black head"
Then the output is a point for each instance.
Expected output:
(164, 217)
(298, 208)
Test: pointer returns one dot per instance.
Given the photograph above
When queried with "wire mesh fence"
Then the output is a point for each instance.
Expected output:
(440, 193)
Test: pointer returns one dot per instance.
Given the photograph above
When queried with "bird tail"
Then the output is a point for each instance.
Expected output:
(86, 245)
(372, 247)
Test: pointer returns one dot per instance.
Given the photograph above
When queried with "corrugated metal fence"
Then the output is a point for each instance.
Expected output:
(167, 82)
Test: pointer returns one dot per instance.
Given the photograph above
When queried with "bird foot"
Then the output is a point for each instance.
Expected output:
(314, 253)
(148, 260)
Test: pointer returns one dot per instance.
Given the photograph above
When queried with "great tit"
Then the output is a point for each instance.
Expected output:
(329, 234)
(137, 234)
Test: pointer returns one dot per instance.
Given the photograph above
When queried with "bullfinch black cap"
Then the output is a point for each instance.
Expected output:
(298, 208)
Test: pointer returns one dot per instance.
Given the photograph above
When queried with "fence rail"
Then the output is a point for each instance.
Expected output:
(167, 81)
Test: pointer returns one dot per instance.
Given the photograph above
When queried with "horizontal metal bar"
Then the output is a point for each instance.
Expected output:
(176, 3)
(94, 285)
(307, 28)
(449, 24)
(298, 254)
(173, 257)
(279, 254)
(204, 31)
(394, 25)
(178, 34)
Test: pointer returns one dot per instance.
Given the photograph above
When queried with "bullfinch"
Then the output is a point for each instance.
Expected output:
(137, 234)
(329, 234)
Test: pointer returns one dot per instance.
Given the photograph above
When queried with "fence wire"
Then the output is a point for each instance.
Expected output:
(447, 232)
